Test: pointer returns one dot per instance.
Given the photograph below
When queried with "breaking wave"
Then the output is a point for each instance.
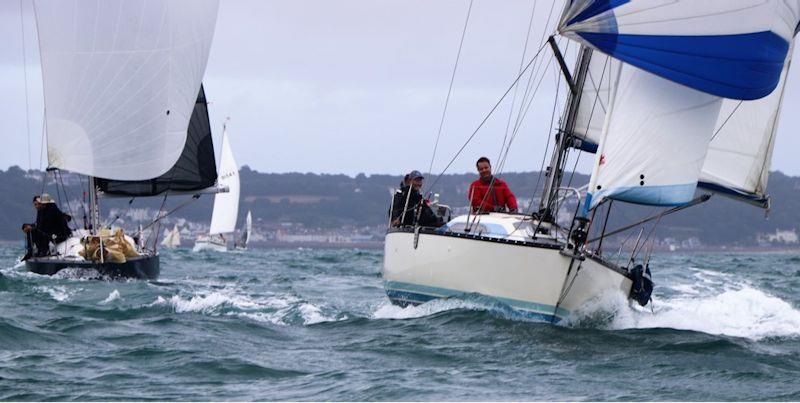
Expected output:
(279, 309)
(711, 302)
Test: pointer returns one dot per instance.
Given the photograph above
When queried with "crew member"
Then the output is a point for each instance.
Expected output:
(51, 226)
(488, 193)
(408, 205)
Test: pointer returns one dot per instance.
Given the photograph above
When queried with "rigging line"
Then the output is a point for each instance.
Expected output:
(521, 118)
(488, 115)
(66, 196)
(765, 164)
(156, 220)
(524, 108)
(25, 70)
(698, 200)
(534, 73)
(504, 159)
(549, 137)
(726, 121)
(162, 216)
(450, 88)
(117, 217)
(41, 151)
(591, 115)
(516, 88)
(649, 234)
(547, 145)
(541, 39)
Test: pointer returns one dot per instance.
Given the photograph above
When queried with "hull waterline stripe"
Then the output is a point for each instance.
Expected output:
(422, 291)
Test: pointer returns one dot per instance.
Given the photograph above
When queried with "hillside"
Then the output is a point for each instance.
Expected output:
(332, 201)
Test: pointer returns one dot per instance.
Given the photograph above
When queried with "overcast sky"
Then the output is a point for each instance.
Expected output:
(351, 86)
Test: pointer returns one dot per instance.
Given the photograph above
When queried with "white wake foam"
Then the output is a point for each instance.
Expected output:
(713, 303)
(386, 310)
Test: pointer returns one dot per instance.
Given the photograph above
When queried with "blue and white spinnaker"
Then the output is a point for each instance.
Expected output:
(729, 48)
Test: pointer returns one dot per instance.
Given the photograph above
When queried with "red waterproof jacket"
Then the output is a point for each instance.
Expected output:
(499, 196)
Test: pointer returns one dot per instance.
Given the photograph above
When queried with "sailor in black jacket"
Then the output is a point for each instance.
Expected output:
(409, 206)
(51, 226)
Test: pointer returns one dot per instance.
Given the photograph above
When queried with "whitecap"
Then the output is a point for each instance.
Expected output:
(58, 293)
(280, 309)
(112, 296)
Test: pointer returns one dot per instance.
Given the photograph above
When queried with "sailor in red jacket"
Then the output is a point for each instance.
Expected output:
(488, 194)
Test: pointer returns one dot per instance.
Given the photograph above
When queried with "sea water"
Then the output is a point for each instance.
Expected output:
(315, 324)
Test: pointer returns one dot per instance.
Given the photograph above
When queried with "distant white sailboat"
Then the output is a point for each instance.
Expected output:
(172, 239)
(226, 205)
(241, 244)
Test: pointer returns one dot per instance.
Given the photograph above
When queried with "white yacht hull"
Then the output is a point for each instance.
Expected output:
(212, 244)
(536, 280)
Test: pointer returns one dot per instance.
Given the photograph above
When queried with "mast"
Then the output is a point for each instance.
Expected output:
(555, 170)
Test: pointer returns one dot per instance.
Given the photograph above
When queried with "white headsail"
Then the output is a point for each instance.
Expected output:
(120, 81)
(740, 152)
(595, 99)
(248, 229)
(654, 141)
(226, 205)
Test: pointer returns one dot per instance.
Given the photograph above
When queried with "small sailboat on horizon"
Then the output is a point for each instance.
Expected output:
(172, 238)
(241, 244)
(226, 205)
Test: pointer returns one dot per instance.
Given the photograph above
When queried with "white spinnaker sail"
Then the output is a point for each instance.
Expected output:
(595, 98)
(226, 205)
(740, 153)
(120, 81)
(654, 141)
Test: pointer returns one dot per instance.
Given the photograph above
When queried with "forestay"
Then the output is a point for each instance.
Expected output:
(120, 81)
(732, 49)
(740, 152)
(226, 205)
(654, 141)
